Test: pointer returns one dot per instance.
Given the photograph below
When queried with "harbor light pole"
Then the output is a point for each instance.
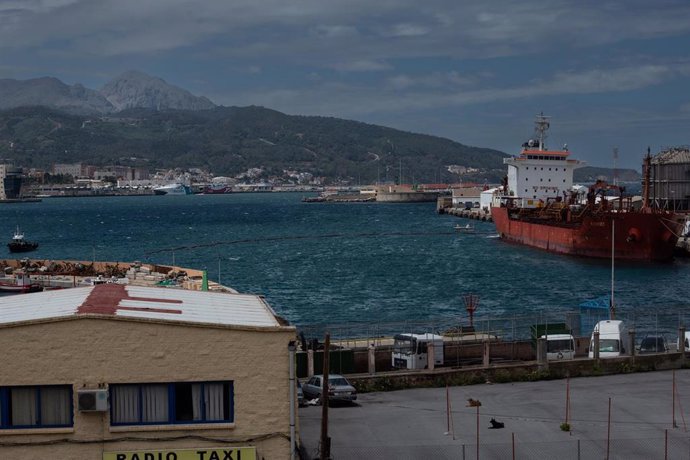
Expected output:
(471, 304)
(612, 305)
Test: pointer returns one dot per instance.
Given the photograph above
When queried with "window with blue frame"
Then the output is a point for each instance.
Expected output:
(171, 403)
(46, 406)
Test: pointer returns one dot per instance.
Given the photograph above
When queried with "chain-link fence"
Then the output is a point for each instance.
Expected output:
(658, 321)
(672, 446)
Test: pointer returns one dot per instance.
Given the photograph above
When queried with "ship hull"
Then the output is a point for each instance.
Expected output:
(637, 235)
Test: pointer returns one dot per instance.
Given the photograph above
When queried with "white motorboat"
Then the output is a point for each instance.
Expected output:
(173, 189)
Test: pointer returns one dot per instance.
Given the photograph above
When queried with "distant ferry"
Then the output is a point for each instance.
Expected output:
(173, 189)
(217, 188)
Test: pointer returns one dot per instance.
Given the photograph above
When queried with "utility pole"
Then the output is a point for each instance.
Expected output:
(325, 439)
(401, 179)
(615, 173)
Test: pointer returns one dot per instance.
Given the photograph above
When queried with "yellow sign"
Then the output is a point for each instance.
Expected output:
(211, 453)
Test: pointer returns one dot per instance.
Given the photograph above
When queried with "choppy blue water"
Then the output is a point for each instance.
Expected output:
(338, 263)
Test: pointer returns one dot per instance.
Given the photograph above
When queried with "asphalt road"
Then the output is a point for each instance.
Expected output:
(413, 424)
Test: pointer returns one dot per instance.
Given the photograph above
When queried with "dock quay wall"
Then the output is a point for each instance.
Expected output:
(517, 372)
(471, 363)
(474, 213)
(454, 353)
(356, 360)
(406, 197)
(444, 205)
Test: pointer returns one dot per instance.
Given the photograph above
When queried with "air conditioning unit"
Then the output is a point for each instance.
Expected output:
(92, 400)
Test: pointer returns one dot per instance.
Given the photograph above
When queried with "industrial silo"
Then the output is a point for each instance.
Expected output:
(670, 178)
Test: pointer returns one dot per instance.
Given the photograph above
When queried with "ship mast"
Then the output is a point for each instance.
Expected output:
(541, 125)
(612, 304)
(647, 176)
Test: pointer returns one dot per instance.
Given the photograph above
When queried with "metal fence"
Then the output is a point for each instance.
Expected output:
(672, 446)
(659, 321)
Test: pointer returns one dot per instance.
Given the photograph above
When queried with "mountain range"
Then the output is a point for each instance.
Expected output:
(130, 90)
(141, 120)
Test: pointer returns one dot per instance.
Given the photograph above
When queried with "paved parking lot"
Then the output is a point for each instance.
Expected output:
(414, 423)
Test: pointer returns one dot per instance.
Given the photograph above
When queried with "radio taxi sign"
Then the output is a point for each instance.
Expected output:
(206, 453)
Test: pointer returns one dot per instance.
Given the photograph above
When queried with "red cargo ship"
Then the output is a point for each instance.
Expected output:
(558, 219)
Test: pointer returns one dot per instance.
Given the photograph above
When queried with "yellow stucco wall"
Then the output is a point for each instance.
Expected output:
(91, 352)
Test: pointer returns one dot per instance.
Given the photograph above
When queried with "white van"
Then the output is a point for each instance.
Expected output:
(559, 346)
(686, 345)
(613, 339)
(410, 351)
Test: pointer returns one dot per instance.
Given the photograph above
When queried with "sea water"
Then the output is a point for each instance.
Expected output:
(333, 263)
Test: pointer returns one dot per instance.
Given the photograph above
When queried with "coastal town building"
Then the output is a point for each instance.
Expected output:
(80, 170)
(10, 182)
(118, 372)
(466, 197)
(71, 169)
(120, 172)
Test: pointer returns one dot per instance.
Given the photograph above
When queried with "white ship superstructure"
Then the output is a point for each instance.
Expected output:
(538, 173)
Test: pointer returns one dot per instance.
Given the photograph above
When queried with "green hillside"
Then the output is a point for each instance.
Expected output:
(229, 140)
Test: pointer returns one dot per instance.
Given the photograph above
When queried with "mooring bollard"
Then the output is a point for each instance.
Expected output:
(681, 344)
(631, 344)
(310, 363)
(542, 361)
(372, 359)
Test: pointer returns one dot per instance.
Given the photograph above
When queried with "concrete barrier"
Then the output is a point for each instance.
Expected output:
(529, 371)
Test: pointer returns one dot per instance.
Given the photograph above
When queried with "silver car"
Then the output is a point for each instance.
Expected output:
(300, 394)
(339, 389)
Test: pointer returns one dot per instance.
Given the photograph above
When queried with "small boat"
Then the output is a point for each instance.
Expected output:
(22, 284)
(19, 244)
(469, 228)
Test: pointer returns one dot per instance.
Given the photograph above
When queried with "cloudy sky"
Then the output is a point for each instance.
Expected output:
(611, 74)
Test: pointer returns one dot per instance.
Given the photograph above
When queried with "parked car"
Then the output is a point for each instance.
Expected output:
(339, 389)
(653, 344)
(300, 394)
